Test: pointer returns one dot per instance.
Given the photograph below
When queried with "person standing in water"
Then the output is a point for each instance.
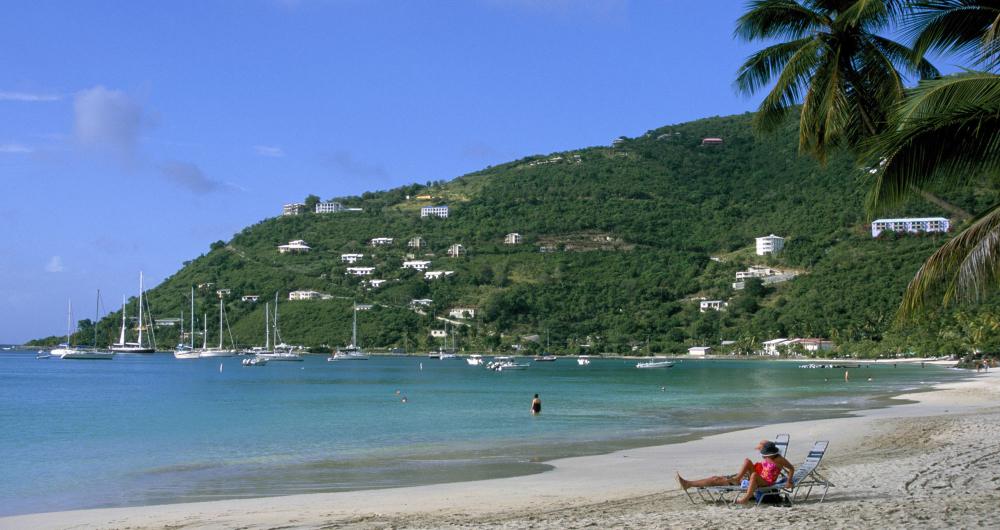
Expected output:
(536, 405)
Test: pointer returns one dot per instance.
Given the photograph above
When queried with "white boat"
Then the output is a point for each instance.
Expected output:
(65, 347)
(548, 358)
(474, 360)
(42, 354)
(91, 353)
(254, 361)
(138, 346)
(503, 363)
(583, 360)
(220, 351)
(655, 364)
(187, 351)
(353, 351)
(281, 352)
(447, 355)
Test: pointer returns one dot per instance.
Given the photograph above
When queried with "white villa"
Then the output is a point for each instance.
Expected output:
(456, 250)
(363, 307)
(434, 211)
(307, 295)
(329, 207)
(360, 271)
(775, 346)
(699, 351)
(375, 284)
(915, 224)
(756, 272)
(223, 292)
(771, 244)
(512, 238)
(419, 265)
(462, 312)
(434, 275)
(416, 242)
(439, 333)
(712, 305)
(771, 346)
(421, 302)
(250, 298)
(294, 208)
(351, 258)
(297, 246)
(381, 241)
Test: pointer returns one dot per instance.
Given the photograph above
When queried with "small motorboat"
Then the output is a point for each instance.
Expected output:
(583, 360)
(545, 358)
(254, 361)
(474, 360)
(655, 364)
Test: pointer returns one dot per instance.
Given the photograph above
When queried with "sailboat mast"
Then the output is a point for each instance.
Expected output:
(192, 318)
(121, 338)
(354, 327)
(140, 309)
(97, 315)
(277, 337)
(204, 335)
(267, 326)
(220, 321)
(69, 321)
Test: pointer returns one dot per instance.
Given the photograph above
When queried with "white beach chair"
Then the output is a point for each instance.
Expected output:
(719, 493)
(807, 477)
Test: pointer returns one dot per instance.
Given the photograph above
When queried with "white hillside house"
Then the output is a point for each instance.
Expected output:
(435, 275)
(462, 312)
(417, 243)
(771, 244)
(380, 241)
(916, 224)
(351, 258)
(456, 250)
(329, 207)
(250, 298)
(360, 271)
(712, 305)
(513, 238)
(294, 208)
(294, 247)
(434, 211)
(306, 295)
(420, 265)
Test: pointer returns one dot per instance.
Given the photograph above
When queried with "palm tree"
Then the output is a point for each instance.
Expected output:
(947, 130)
(845, 76)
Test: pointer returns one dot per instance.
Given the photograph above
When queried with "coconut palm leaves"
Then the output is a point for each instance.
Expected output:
(836, 66)
(968, 28)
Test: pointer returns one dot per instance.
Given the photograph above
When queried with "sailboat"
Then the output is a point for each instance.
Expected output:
(353, 351)
(185, 351)
(276, 354)
(65, 347)
(138, 346)
(92, 354)
(220, 351)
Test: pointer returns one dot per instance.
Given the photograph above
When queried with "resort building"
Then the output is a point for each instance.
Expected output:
(294, 208)
(712, 305)
(360, 271)
(512, 238)
(434, 275)
(305, 295)
(329, 207)
(416, 242)
(699, 351)
(250, 298)
(351, 258)
(420, 265)
(771, 244)
(456, 250)
(915, 224)
(434, 211)
(380, 241)
(711, 141)
(462, 312)
(771, 347)
(294, 247)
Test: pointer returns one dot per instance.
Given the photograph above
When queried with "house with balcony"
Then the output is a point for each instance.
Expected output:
(417, 243)
(462, 312)
(360, 271)
(434, 275)
(419, 265)
(421, 302)
(329, 207)
(712, 305)
(910, 225)
(294, 247)
(380, 241)
(456, 250)
(434, 211)
(351, 258)
(375, 284)
(512, 238)
(305, 295)
(771, 244)
(295, 208)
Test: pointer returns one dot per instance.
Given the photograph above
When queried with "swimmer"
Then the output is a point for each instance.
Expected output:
(870, 379)
(397, 392)
(403, 400)
(536, 405)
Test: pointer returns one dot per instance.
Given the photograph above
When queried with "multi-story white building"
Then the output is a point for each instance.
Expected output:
(329, 207)
(434, 211)
(351, 258)
(420, 265)
(294, 208)
(294, 247)
(711, 305)
(305, 295)
(360, 271)
(416, 242)
(456, 250)
(434, 275)
(512, 238)
(380, 241)
(915, 224)
(771, 244)
(771, 347)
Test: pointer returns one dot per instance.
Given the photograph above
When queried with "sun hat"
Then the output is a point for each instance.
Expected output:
(769, 449)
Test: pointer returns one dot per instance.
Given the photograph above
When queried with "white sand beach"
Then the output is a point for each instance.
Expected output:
(934, 463)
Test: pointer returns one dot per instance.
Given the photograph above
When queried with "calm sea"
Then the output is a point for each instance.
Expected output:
(153, 429)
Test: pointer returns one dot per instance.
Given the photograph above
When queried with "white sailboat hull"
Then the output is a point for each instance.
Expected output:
(88, 355)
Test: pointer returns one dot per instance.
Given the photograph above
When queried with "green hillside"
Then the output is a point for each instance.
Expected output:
(629, 234)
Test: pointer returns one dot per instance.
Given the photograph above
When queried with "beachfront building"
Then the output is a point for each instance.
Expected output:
(456, 250)
(434, 211)
(419, 265)
(380, 241)
(294, 247)
(773, 347)
(294, 208)
(712, 305)
(815, 345)
(771, 244)
(351, 258)
(699, 351)
(329, 207)
(305, 295)
(417, 243)
(512, 238)
(434, 275)
(462, 312)
(914, 224)
(250, 298)
(708, 142)
(360, 271)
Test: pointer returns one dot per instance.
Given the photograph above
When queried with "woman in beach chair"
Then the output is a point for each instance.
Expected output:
(752, 475)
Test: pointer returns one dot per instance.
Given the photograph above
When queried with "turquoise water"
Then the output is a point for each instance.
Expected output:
(153, 429)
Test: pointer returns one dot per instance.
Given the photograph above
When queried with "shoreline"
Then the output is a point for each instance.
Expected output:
(572, 485)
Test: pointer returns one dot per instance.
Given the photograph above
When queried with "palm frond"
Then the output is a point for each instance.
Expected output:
(967, 28)
(904, 58)
(870, 15)
(776, 19)
(794, 78)
(763, 66)
(962, 270)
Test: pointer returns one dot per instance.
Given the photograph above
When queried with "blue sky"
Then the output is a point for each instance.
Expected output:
(133, 134)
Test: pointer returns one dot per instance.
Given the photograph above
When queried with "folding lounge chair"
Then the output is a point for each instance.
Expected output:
(719, 493)
(807, 477)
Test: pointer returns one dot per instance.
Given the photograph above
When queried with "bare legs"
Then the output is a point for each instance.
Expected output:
(755, 482)
(718, 480)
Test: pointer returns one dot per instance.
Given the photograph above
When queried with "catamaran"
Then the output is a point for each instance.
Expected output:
(187, 351)
(138, 346)
(353, 351)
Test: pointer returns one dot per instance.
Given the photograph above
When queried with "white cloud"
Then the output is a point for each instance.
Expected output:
(108, 120)
(269, 150)
(191, 177)
(14, 149)
(55, 264)
(27, 97)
